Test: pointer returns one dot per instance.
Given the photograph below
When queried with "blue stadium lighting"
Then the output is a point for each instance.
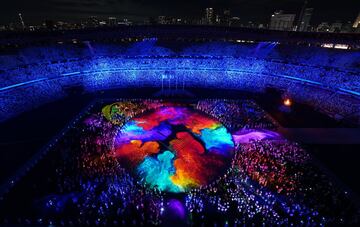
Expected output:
(349, 91)
(226, 157)
(114, 70)
(71, 74)
(249, 67)
(22, 84)
(302, 80)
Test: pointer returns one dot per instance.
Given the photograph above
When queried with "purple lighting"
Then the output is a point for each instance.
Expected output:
(176, 208)
(246, 135)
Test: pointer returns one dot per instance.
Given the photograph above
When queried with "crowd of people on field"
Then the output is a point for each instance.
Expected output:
(269, 181)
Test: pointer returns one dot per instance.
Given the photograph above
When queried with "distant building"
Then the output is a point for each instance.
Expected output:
(125, 22)
(102, 23)
(323, 27)
(92, 21)
(347, 27)
(22, 21)
(304, 20)
(175, 20)
(304, 17)
(61, 25)
(170, 20)
(357, 22)
(235, 22)
(209, 16)
(112, 21)
(49, 24)
(280, 21)
(161, 20)
(12, 27)
(226, 18)
(218, 19)
(335, 27)
(250, 24)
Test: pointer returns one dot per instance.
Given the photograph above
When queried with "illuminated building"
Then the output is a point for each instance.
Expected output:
(323, 27)
(304, 20)
(357, 22)
(21, 21)
(226, 18)
(161, 20)
(280, 21)
(335, 27)
(209, 16)
(112, 21)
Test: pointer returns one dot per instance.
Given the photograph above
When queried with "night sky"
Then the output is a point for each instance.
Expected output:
(35, 11)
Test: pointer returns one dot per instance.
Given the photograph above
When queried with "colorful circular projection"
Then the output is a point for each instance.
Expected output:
(174, 148)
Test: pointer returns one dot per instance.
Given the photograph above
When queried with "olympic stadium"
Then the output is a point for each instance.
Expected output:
(179, 125)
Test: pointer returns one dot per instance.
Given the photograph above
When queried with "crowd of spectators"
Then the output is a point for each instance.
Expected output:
(42, 73)
(245, 113)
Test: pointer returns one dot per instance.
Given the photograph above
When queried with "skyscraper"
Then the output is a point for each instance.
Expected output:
(209, 16)
(301, 15)
(226, 17)
(21, 21)
(357, 22)
(304, 20)
(280, 21)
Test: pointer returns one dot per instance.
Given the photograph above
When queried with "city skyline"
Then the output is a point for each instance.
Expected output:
(258, 11)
